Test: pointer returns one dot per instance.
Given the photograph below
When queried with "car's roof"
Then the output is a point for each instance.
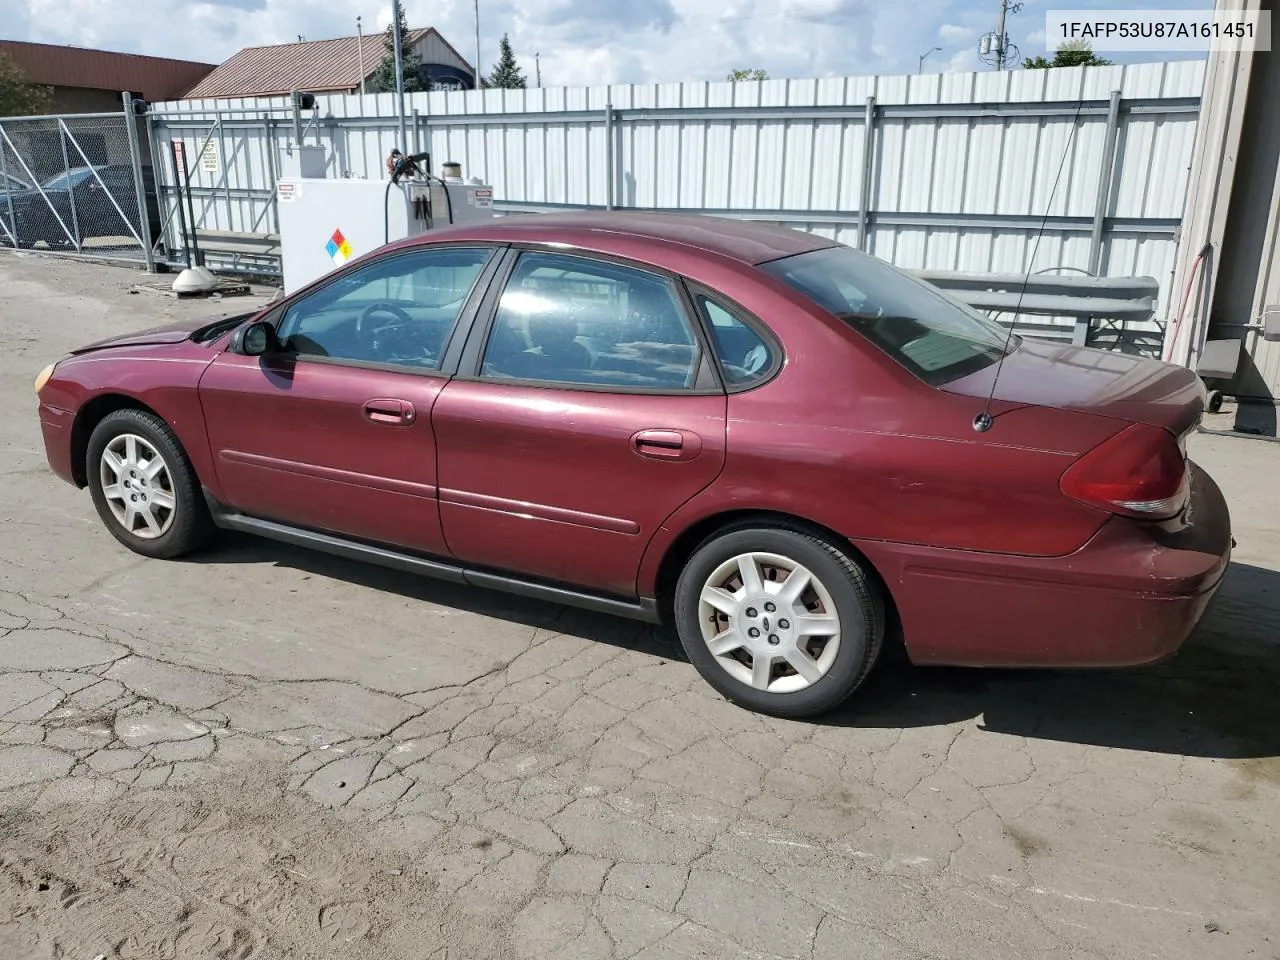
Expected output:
(606, 231)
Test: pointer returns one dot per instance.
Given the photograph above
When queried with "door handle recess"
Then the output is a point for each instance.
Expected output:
(389, 411)
(666, 444)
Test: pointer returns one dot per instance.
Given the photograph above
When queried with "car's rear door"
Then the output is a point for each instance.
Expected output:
(333, 432)
(584, 414)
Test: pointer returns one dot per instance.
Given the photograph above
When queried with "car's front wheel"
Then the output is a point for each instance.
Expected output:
(143, 486)
(779, 620)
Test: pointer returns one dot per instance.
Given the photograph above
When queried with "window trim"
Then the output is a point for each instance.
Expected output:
(452, 348)
(706, 380)
(694, 290)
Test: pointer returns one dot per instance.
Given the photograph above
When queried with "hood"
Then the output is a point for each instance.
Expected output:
(169, 333)
(1089, 380)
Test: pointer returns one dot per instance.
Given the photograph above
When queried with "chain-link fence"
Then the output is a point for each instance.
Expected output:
(77, 184)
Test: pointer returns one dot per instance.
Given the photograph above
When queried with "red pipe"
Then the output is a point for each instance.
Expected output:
(1186, 292)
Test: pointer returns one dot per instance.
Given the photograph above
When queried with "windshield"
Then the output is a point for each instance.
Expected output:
(65, 181)
(933, 335)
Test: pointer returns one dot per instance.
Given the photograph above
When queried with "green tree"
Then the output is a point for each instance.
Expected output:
(736, 75)
(383, 78)
(507, 73)
(19, 97)
(1073, 53)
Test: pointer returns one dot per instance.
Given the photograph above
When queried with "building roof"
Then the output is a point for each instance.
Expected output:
(315, 66)
(152, 78)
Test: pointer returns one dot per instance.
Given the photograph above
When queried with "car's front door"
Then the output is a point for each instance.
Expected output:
(587, 416)
(333, 430)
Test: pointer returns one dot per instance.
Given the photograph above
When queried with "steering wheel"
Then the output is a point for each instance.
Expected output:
(389, 336)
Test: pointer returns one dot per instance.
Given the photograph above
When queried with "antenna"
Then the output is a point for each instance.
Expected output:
(983, 421)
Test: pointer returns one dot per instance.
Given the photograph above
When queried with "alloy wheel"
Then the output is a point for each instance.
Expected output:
(769, 622)
(137, 486)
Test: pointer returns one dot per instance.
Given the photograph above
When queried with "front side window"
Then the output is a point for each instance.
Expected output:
(398, 311)
(570, 320)
(933, 335)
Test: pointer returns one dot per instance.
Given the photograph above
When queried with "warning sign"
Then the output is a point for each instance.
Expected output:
(287, 191)
(180, 151)
(338, 249)
(209, 158)
(482, 198)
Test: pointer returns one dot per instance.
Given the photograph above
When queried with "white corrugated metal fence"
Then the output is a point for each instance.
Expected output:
(961, 172)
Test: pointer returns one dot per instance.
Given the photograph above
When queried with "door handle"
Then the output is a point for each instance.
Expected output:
(398, 412)
(666, 444)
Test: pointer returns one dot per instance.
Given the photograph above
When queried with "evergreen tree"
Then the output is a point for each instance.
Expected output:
(383, 79)
(19, 97)
(507, 72)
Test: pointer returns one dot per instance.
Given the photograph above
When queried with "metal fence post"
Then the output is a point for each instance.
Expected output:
(297, 118)
(71, 193)
(157, 173)
(270, 137)
(139, 183)
(226, 169)
(8, 194)
(1106, 179)
(868, 169)
(611, 174)
(182, 214)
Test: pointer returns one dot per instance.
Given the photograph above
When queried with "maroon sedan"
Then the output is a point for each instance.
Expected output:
(761, 434)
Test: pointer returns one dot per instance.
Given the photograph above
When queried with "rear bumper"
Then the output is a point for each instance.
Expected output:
(55, 425)
(1131, 595)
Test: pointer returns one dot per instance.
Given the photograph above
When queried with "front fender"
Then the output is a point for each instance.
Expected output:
(163, 379)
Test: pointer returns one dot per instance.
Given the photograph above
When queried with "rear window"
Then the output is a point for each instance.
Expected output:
(933, 335)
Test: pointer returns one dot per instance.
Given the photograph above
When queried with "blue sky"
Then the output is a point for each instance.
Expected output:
(580, 41)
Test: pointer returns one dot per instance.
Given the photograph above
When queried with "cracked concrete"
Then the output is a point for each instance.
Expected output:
(268, 753)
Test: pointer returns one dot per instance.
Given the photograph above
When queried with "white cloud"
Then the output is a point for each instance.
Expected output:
(954, 33)
(580, 41)
(964, 60)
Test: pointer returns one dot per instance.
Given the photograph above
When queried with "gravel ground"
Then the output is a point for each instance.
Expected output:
(263, 752)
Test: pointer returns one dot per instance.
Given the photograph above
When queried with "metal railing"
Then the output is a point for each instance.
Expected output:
(1122, 304)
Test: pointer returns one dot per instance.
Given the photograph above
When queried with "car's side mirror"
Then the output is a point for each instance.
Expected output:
(254, 339)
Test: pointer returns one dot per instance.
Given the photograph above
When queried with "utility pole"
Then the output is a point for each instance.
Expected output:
(476, 4)
(994, 48)
(920, 65)
(395, 25)
(1000, 36)
(537, 66)
(360, 55)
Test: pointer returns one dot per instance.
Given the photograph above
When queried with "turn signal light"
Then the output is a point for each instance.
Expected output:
(43, 377)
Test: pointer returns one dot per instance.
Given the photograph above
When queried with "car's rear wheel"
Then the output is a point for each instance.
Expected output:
(779, 620)
(143, 486)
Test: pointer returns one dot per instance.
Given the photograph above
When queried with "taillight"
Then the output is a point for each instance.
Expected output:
(1140, 472)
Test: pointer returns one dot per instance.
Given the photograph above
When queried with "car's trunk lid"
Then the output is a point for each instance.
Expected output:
(1136, 389)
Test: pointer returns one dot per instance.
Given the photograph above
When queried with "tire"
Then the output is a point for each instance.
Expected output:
(135, 438)
(838, 586)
